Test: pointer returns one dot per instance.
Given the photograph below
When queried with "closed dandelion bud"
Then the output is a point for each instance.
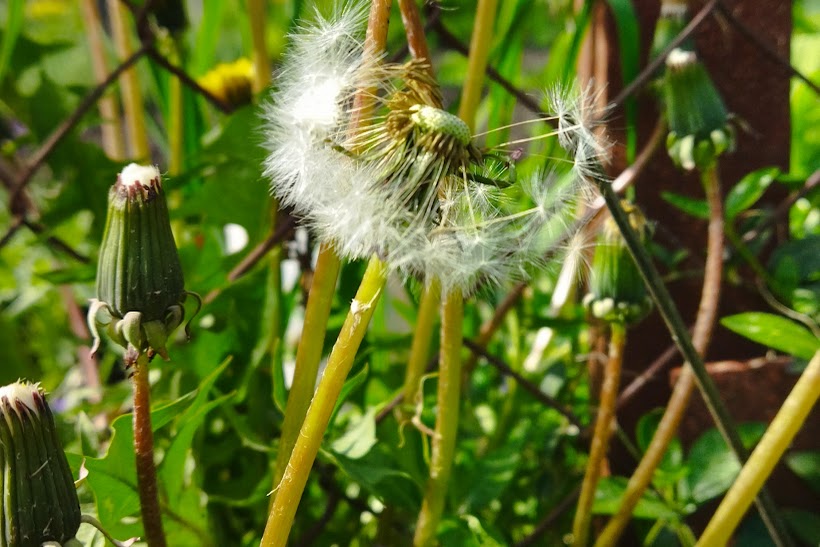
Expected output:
(139, 277)
(617, 293)
(673, 18)
(39, 501)
(231, 83)
(698, 129)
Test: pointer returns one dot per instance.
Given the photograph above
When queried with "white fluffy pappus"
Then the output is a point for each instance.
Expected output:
(408, 183)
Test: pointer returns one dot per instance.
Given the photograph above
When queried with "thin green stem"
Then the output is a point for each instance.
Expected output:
(308, 354)
(144, 450)
(677, 328)
(289, 492)
(601, 435)
(112, 141)
(175, 109)
(768, 452)
(477, 62)
(422, 339)
(129, 86)
(444, 439)
(261, 59)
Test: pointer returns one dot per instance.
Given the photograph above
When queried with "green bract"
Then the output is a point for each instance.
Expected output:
(617, 293)
(698, 128)
(39, 500)
(139, 277)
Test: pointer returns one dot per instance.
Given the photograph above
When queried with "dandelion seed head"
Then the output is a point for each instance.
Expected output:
(399, 176)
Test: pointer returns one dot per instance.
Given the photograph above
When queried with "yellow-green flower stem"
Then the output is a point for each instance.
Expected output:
(420, 347)
(452, 317)
(444, 438)
(679, 400)
(112, 138)
(144, 450)
(601, 435)
(309, 439)
(129, 85)
(261, 59)
(308, 354)
(477, 62)
(175, 125)
(771, 447)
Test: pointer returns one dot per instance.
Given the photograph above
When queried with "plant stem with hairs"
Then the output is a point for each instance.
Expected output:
(289, 492)
(601, 435)
(144, 450)
(768, 452)
(444, 439)
(694, 369)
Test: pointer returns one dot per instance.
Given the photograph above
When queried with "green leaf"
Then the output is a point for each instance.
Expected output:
(775, 332)
(713, 466)
(113, 477)
(14, 24)
(172, 469)
(804, 524)
(610, 492)
(360, 437)
(746, 192)
(697, 208)
(806, 465)
(645, 430)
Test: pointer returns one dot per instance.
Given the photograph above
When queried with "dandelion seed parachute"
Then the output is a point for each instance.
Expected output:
(400, 179)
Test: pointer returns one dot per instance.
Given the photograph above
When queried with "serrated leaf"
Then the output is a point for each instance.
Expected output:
(746, 192)
(775, 332)
(113, 477)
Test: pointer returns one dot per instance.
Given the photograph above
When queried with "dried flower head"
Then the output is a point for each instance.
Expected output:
(365, 151)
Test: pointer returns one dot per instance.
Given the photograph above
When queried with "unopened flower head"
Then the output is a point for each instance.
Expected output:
(139, 277)
(39, 501)
(699, 131)
(365, 151)
(617, 293)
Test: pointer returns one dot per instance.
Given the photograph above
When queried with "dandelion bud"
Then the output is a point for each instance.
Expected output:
(139, 277)
(231, 83)
(673, 18)
(617, 293)
(39, 502)
(697, 116)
